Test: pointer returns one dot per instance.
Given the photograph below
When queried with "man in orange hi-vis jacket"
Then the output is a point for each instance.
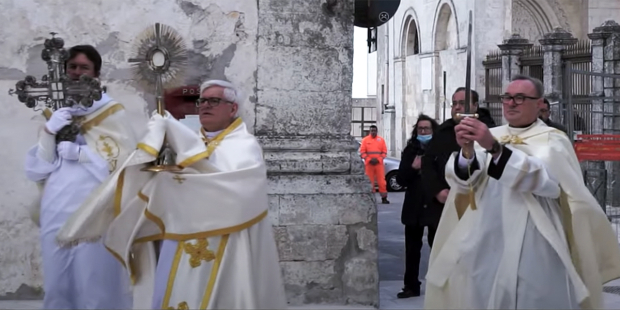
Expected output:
(373, 150)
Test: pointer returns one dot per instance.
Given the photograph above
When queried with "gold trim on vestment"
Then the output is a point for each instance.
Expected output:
(172, 275)
(89, 124)
(567, 223)
(199, 235)
(150, 215)
(211, 143)
(47, 113)
(118, 194)
(148, 149)
(194, 159)
(214, 271)
(132, 276)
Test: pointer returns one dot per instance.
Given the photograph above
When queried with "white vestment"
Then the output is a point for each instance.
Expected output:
(87, 276)
(537, 239)
(218, 251)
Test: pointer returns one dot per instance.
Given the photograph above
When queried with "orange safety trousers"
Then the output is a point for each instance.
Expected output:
(376, 173)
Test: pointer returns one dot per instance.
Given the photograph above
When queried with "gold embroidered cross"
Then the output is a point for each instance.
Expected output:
(179, 179)
(511, 139)
(198, 252)
(182, 306)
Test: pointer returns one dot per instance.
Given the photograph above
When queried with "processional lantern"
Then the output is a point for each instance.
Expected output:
(159, 64)
(56, 90)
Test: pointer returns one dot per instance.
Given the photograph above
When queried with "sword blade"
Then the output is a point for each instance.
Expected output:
(468, 68)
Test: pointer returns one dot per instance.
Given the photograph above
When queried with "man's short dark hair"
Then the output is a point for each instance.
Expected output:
(90, 52)
(547, 103)
(373, 126)
(538, 85)
(474, 94)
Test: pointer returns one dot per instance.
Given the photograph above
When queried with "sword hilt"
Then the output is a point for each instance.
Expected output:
(464, 115)
(461, 116)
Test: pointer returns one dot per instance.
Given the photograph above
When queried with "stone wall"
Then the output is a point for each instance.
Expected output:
(292, 60)
(324, 215)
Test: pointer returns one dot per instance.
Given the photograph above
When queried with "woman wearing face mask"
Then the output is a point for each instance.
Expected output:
(415, 215)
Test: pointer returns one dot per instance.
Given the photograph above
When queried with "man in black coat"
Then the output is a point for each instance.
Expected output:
(544, 116)
(437, 153)
(414, 214)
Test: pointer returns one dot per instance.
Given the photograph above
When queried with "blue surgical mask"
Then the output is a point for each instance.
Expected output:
(424, 138)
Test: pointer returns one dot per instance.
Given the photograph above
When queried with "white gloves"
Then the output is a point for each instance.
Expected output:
(68, 150)
(166, 114)
(60, 118)
(157, 123)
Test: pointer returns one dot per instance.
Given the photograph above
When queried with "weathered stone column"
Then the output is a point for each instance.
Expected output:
(553, 45)
(399, 106)
(323, 211)
(611, 88)
(598, 40)
(512, 49)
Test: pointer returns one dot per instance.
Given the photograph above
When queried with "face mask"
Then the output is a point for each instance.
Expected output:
(424, 138)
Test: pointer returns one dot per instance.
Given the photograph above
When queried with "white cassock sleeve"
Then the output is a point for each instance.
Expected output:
(459, 176)
(522, 173)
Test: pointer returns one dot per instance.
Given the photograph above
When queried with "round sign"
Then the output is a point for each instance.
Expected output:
(374, 13)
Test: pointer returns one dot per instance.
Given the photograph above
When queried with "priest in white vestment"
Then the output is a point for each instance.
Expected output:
(87, 276)
(218, 249)
(520, 230)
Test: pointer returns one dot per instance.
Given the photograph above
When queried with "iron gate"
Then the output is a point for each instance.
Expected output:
(600, 117)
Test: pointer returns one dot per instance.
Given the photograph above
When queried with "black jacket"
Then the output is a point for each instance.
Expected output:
(434, 162)
(555, 125)
(414, 206)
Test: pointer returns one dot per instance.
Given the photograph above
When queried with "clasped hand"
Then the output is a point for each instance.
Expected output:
(471, 129)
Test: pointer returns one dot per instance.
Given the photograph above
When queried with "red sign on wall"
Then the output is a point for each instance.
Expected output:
(181, 101)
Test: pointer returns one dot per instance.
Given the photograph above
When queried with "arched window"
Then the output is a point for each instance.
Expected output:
(412, 39)
(445, 29)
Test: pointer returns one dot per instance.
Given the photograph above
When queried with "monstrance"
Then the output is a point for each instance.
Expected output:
(160, 63)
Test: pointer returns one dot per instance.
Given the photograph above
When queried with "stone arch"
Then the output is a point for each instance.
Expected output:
(532, 19)
(410, 37)
(446, 30)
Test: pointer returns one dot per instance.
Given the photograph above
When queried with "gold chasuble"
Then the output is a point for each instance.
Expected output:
(579, 232)
(214, 212)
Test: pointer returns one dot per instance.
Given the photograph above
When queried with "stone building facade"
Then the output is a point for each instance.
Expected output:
(427, 40)
(293, 61)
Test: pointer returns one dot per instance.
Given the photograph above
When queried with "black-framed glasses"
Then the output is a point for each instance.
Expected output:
(211, 101)
(518, 99)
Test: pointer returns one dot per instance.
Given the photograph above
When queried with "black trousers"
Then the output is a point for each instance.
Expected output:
(413, 251)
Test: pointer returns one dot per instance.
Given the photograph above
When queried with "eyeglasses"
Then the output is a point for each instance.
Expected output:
(458, 103)
(211, 101)
(518, 99)
(425, 129)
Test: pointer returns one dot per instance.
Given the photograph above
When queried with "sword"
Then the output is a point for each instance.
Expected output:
(468, 96)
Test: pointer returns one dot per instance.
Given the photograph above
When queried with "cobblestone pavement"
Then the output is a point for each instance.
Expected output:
(391, 268)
